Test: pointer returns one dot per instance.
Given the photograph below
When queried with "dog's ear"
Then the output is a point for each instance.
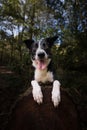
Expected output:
(28, 43)
(51, 40)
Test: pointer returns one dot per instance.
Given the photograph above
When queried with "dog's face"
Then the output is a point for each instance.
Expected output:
(40, 51)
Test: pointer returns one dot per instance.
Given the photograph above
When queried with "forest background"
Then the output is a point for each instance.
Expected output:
(24, 19)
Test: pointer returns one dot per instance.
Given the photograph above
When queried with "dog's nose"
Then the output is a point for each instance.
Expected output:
(41, 55)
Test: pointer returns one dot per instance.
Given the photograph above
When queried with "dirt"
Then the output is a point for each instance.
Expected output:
(11, 86)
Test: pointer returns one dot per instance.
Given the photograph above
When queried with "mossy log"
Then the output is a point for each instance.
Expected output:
(28, 115)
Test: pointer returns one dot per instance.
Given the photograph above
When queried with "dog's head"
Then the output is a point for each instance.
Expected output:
(40, 51)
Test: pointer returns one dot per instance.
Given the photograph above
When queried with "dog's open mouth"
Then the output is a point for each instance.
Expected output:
(41, 64)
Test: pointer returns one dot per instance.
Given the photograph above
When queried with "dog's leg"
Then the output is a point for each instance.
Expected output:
(56, 93)
(37, 93)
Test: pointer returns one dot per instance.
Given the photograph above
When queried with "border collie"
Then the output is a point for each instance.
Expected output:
(42, 62)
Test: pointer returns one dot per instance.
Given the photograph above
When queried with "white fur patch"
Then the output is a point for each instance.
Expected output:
(56, 93)
(40, 50)
(43, 76)
(37, 93)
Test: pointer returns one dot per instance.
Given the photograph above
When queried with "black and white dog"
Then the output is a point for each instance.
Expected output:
(41, 60)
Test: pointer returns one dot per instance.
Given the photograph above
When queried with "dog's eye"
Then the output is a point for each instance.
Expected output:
(44, 45)
(36, 45)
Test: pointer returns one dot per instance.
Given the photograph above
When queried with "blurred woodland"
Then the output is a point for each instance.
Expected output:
(24, 19)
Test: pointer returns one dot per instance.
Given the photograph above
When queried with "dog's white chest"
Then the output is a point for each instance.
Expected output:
(43, 76)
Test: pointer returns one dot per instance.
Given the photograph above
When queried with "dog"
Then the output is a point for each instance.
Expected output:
(42, 62)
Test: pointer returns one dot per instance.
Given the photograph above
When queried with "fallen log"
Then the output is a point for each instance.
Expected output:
(28, 115)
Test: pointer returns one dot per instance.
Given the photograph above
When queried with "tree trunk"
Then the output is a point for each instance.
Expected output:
(28, 115)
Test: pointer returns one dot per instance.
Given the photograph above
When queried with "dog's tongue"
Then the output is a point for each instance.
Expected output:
(41, 65)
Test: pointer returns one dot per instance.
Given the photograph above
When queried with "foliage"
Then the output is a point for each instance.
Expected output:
(41, 18)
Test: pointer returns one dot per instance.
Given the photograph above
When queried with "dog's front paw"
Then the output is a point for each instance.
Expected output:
(55, 99)
(56, 93)
(37, 95)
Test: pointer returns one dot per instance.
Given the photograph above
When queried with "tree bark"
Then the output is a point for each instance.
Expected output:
(28, 115)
